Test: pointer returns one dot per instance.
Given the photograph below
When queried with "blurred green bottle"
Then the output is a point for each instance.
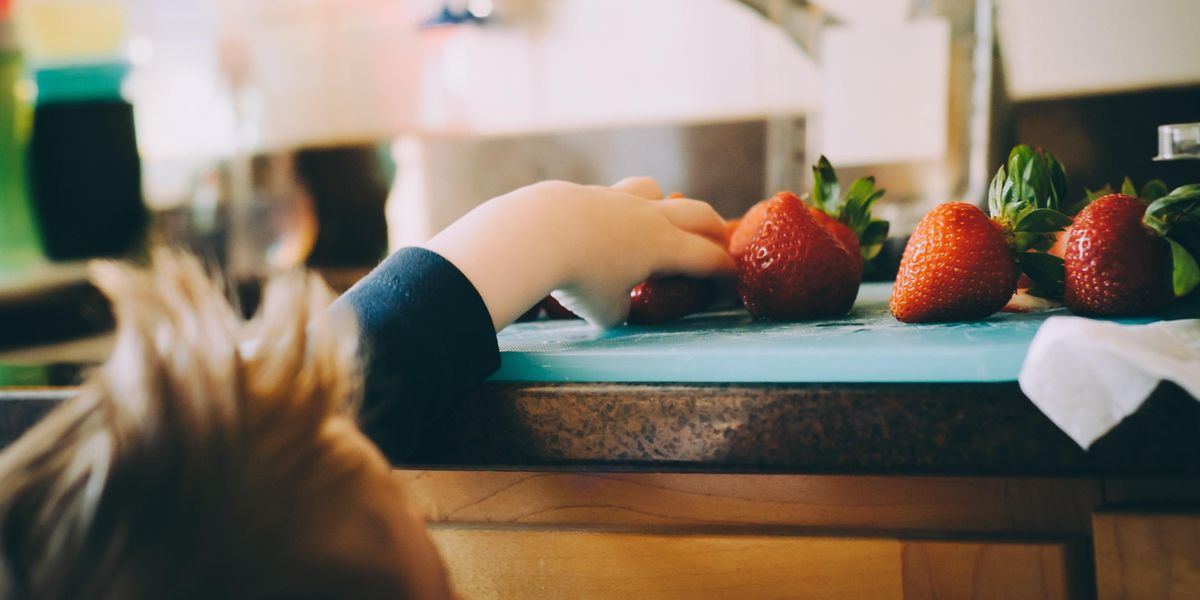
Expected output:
(19, 242)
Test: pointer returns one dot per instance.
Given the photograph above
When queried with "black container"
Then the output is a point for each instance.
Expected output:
(84, 171)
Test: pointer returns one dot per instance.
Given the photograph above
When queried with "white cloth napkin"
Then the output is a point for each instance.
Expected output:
(1088, 375)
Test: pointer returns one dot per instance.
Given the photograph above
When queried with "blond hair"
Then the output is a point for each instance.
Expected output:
(210, 457)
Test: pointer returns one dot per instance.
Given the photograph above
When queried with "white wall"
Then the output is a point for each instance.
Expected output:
(330, 70)
(1055, 48)
(597, 63)
(326, 71)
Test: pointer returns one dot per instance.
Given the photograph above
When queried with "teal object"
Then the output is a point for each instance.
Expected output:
(867, 346)
(73, 83)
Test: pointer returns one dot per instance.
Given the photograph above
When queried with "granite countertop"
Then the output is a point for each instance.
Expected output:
(976, 429)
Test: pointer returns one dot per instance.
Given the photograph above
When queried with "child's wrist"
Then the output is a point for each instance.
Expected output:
(514, 249)
(544, 235)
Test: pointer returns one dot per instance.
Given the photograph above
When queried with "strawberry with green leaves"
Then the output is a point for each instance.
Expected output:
(963, 264)
(795, 268)
(806, 262)
(1125, 257)
(1152, 190)
(848, 217)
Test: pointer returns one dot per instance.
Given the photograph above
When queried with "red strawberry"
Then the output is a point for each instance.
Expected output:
(1151, 191)
(961, 265)
(1125, 258)
(957, 266)
(1115, 264)
(662, 299)
(747, 228)
(794, 268)
(839, 231)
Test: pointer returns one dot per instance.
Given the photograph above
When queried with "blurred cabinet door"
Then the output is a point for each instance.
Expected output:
(1147, 555)
(518, 563)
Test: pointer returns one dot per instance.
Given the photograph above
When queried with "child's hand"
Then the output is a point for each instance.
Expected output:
(591, 243)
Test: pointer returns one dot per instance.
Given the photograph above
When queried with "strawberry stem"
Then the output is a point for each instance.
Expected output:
(1152, 190)
(852, 210)
(1024, 199)
(825, 187)
(1185, 273)
(1046, 271)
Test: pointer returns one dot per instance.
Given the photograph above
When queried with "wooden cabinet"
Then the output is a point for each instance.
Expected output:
(550, 564)
(935, 570)
(550, 535)
(1147, 554)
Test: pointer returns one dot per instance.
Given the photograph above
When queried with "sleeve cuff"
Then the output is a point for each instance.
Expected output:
(427, 337)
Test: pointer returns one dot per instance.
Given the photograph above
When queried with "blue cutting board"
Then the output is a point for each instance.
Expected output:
(868, 345)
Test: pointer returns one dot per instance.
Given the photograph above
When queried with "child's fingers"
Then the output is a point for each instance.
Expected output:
(696, 217)
(697, 256)
(643, 187)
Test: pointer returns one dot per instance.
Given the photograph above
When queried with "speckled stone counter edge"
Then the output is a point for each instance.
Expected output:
(953, 429)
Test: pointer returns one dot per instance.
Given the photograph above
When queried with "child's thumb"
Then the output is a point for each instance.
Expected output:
(643, 187)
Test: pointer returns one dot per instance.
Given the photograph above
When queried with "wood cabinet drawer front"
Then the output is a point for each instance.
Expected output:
(1150, 555)
(944, 570)
(514, 563)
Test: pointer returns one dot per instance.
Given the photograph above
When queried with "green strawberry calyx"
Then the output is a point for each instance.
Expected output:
(1152, 190)
(1176, 217)
(853, 209)
(1025, 198)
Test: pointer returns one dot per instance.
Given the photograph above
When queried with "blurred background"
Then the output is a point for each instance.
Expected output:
(266, 134)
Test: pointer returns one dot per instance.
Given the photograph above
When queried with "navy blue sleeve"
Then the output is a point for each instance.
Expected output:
(427, 338)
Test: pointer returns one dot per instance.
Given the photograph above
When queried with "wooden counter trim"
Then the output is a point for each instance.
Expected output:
(704, 501)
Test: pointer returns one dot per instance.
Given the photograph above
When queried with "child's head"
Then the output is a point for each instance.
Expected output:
(211, 457)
